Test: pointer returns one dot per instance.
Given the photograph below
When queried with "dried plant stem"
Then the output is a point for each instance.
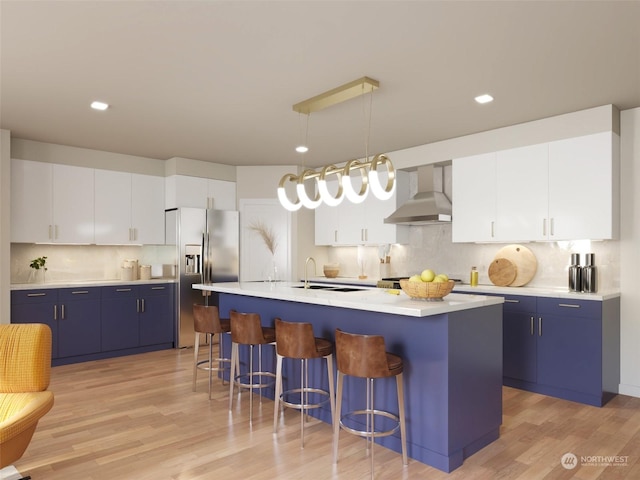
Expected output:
(267, 235)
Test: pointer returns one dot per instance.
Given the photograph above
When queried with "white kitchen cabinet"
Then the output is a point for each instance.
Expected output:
(563, 190)
(129, 208)
(197, 192)
(583, 185)
(31, 196)
(51, 203)
(147, 212)
(362, 223)
(521, 194)
(473, 212)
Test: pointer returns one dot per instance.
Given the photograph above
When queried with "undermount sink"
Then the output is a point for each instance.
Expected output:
(332, 288)
(316, 287)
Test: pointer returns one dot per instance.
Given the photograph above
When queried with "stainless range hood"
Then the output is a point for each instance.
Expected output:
(428, 206)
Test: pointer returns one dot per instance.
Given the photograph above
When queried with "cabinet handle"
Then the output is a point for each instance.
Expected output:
(492, 223)
(55, 230)
(62, 312)
(135, 234)
(335, 236)
(142, 302)
(55, 312)
(551, 229)
(508, 300)
(158, 288)
(544, 227)
(137, 305)
(568, 305)
(50, 232)
(532, 320)
(539, 326)
(80, 292)
(36, 294)
(123, 289)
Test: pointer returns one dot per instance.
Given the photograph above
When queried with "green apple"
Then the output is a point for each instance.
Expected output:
(415, 278)
(428, 275)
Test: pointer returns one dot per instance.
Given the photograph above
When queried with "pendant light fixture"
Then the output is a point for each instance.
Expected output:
(367, 169)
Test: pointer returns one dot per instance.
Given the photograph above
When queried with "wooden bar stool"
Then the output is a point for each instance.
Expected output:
(207, 321)
(246, 329)
(365, 356)
(296, 340)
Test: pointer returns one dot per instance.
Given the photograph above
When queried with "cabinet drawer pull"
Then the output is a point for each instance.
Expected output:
(158, 288)
(568, 305)
(80, 292)
(36, 294)
(123, 289)
(508, 300)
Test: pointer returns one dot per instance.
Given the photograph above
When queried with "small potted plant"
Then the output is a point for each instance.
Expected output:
(38, 264)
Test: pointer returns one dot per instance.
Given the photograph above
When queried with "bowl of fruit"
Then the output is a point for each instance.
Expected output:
(427, 285)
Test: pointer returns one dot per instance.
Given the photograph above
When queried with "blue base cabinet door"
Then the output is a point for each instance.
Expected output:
(156, 314)
(78, 321)
(37, 306)
(120, 309)
(519, 338)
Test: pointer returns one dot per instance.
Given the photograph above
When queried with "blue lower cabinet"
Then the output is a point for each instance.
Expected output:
(156, 314)
(37, 306)
(120, 310)
(100, 322)
(78, 321)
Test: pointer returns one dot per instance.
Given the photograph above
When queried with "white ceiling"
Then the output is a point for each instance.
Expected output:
(215, 81)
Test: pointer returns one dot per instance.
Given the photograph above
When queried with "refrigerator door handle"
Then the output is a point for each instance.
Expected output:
(203, 271)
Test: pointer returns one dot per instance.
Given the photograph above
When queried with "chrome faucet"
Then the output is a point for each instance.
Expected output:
(306, 264)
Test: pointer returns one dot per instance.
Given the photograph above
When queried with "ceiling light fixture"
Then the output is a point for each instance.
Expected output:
(99, 105)
(303, 147)
(367, 169)
(485, 98)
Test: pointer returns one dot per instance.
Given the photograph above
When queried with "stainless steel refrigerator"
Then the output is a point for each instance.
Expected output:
(207, 251)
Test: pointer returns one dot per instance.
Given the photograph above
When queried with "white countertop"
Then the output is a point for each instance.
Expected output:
(87, 283)
(557, 292)
(369, 298)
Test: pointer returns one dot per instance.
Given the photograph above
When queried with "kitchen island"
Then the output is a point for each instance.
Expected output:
(452, 352)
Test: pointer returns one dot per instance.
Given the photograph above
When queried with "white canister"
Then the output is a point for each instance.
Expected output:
(127, 274)
(145, 272)
(132, 264)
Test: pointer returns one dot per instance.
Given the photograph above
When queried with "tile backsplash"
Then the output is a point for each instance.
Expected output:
(431, 247)
(83, 262)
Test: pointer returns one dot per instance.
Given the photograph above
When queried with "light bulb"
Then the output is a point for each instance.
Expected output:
(282, 194)
(349, 191)
(374, 178)
(302, 149)
(325, 194)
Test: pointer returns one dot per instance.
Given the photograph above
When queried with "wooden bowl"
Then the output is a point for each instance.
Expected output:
(331, 271)
(427, 290)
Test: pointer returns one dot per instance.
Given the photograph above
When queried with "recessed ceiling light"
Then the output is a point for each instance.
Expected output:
(99, 105)
(302, 149)
(486, 98)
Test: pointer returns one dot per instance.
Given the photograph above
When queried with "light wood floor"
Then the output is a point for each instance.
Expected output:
(137, 418)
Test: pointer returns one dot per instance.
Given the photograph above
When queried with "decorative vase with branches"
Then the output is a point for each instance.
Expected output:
(271, 242)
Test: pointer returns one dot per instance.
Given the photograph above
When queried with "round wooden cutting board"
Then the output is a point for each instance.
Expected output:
(502, 272)
(524, 260)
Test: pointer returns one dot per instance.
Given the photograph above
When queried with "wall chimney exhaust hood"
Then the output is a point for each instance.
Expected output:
(428, 206)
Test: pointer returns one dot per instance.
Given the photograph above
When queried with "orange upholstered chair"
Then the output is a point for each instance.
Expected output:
(25, 369)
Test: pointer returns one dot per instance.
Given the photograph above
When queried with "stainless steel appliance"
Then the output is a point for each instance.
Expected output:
(207, 251)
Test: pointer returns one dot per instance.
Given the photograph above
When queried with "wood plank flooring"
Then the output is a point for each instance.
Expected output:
(137, 418)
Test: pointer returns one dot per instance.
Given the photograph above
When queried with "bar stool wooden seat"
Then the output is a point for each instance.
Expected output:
(296, 341)
(207, 321)
(247, 329)
(365, 356)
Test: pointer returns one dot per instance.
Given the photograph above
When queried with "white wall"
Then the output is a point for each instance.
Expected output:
(630, 251)
(5, 223)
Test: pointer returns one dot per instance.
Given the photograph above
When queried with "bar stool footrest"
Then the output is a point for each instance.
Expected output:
(203, 364)
(305, 406)
(364, 433)
(249, 376)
